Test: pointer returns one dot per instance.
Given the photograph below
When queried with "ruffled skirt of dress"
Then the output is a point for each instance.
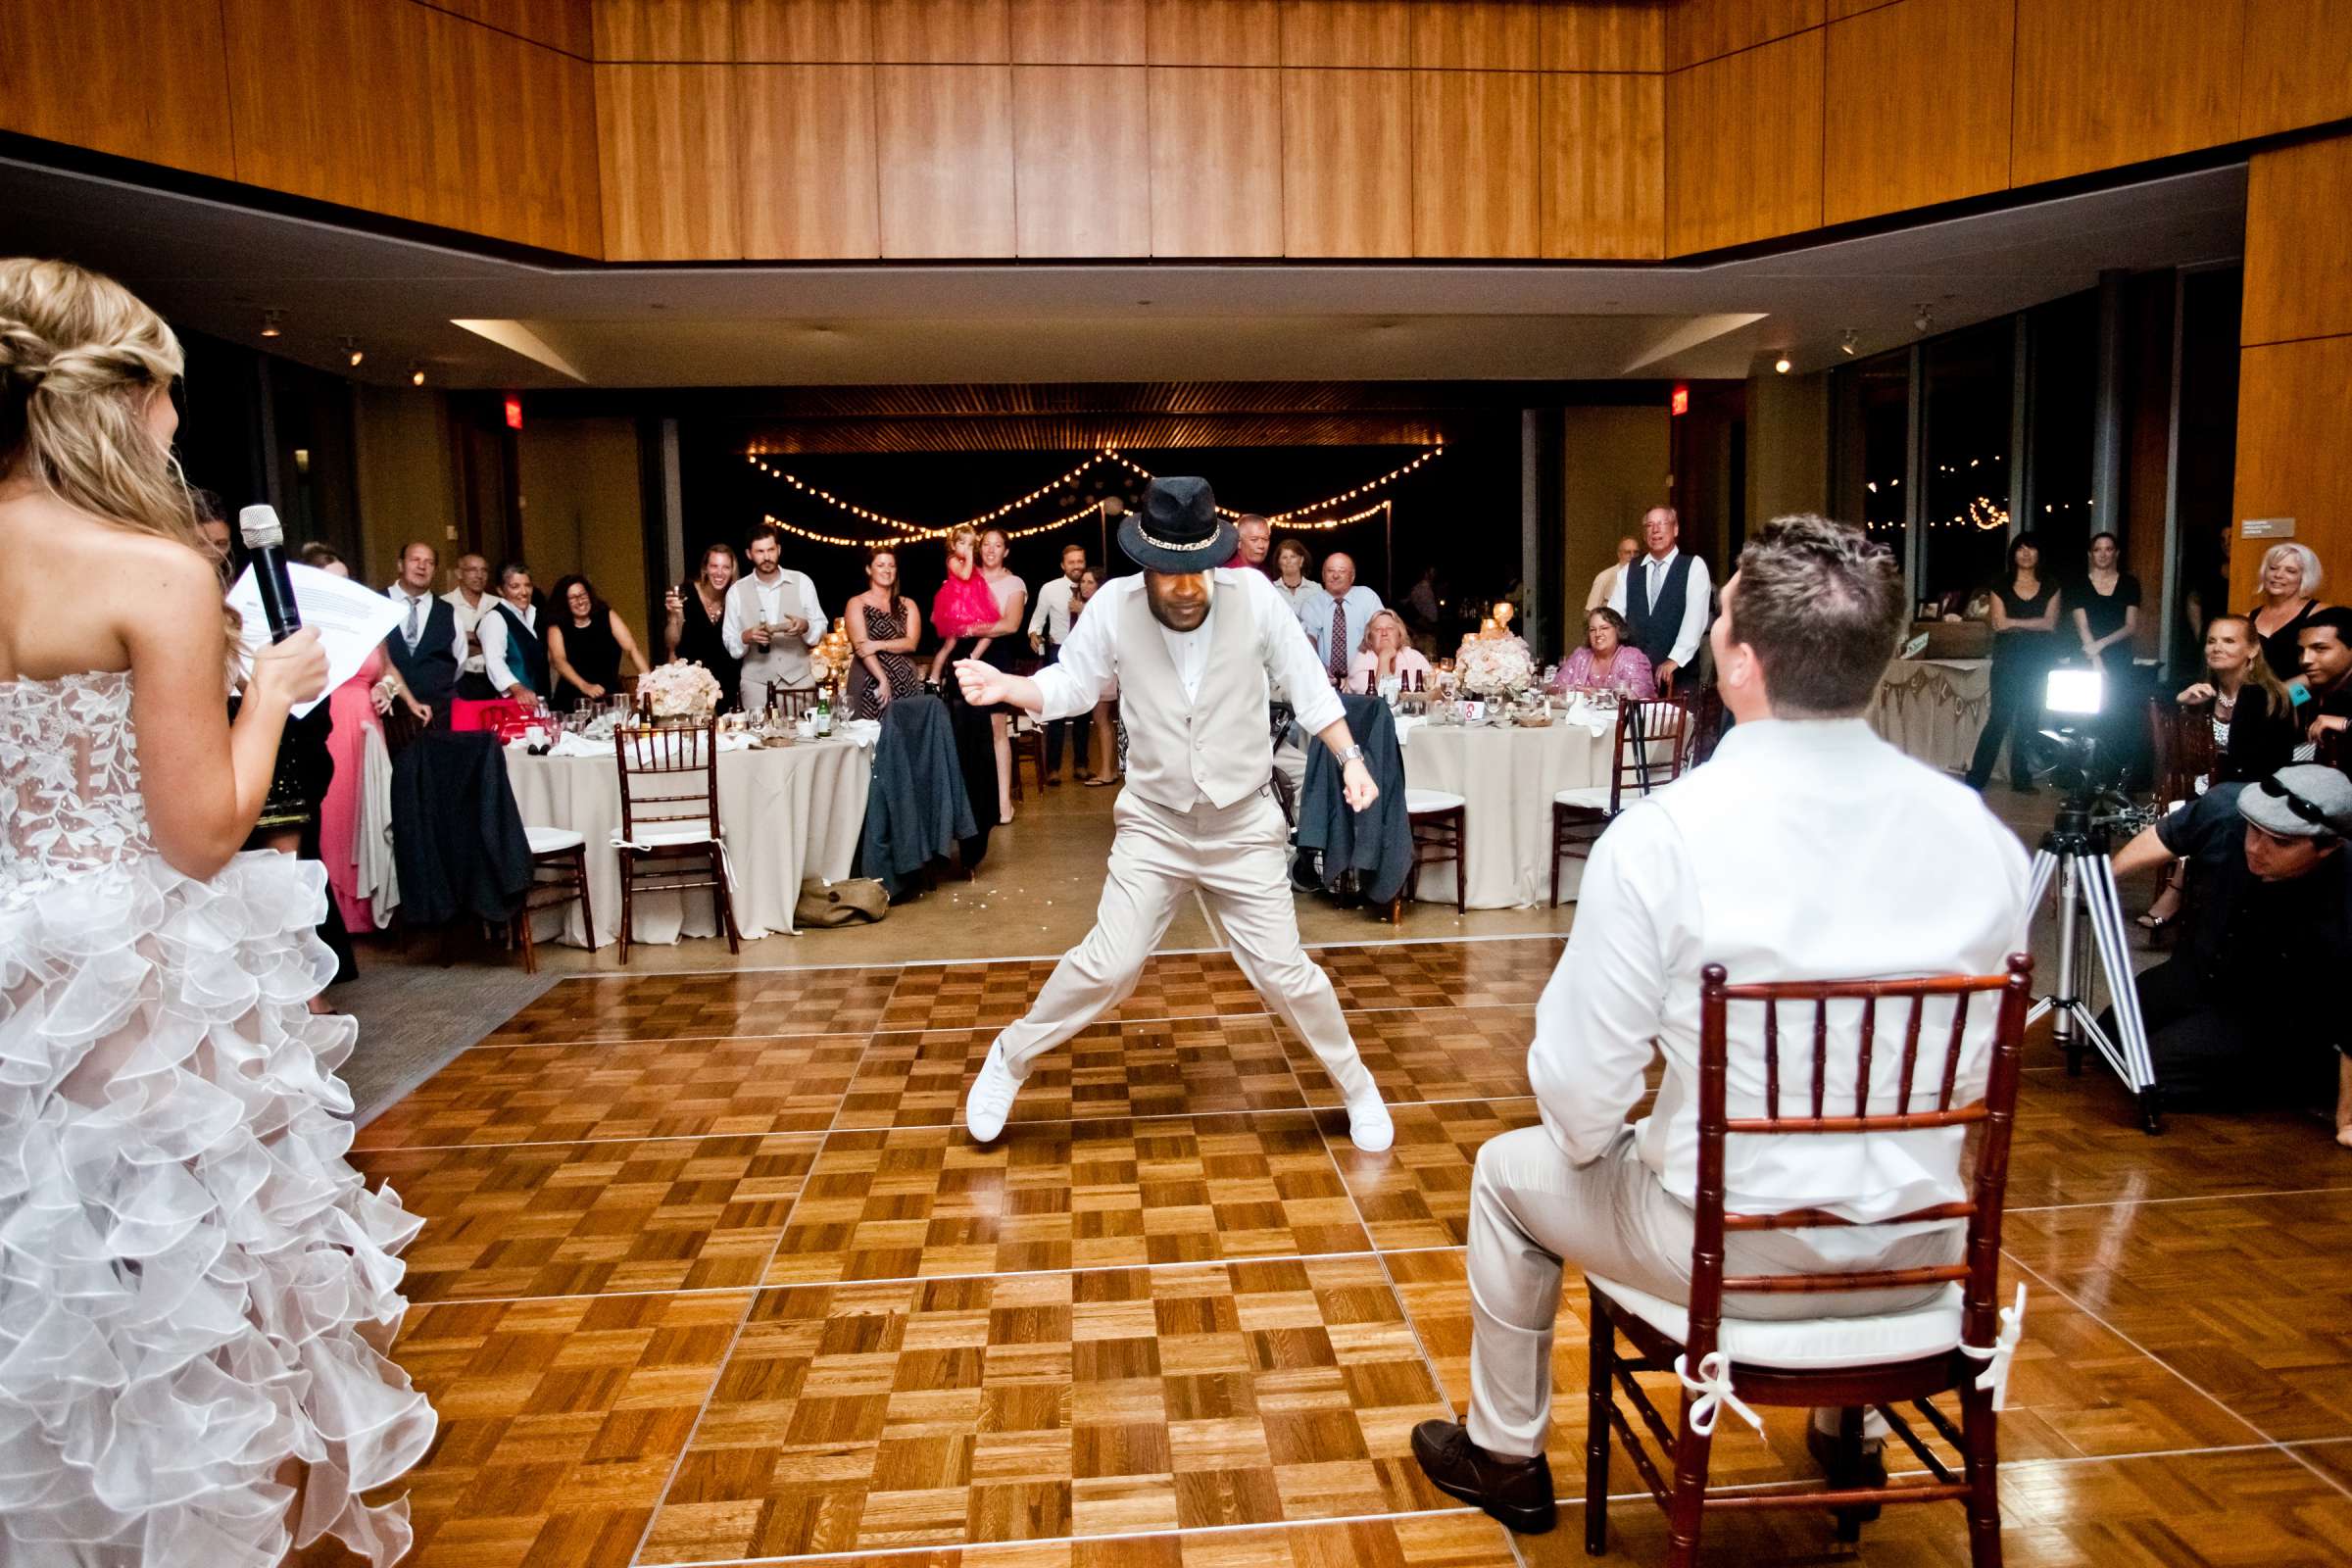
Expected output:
(195, 1288)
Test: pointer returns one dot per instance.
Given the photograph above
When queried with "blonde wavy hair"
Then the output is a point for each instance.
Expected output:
(81, 358)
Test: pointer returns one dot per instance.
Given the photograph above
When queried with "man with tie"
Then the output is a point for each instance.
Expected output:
(428, 647)
(1663, 598)
(1336, 613)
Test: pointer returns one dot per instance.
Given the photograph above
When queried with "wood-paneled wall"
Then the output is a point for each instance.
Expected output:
(843, 129)
(2294, 381)
(1074, 128)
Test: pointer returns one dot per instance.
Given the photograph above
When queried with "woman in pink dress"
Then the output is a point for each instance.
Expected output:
(357, 708)
(1607, 662)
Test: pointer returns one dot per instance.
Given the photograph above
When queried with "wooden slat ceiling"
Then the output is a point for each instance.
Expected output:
(1147, 416)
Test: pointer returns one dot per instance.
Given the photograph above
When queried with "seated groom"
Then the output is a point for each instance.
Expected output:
(1806, 848)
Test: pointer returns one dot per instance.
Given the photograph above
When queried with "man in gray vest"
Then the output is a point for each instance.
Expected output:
(771, 620)
(1194, 647)
(1662, 594)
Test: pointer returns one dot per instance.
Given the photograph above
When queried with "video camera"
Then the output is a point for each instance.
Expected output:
(2093, 783)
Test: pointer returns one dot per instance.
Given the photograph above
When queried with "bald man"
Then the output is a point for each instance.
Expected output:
(1335, 612)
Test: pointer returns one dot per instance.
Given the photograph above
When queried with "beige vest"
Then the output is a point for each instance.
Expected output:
(784, 660)
(1217, 746)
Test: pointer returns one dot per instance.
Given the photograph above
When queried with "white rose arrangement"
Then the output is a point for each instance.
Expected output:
(680, 689)
(1493, 666)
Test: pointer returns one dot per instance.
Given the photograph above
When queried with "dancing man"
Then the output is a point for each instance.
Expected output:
(1193, 647)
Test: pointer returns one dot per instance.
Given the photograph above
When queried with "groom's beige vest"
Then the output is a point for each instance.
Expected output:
(1217, 746)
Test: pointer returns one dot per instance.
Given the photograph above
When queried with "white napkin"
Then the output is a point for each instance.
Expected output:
(1592, 721)
(863, 731)
(1406, 723)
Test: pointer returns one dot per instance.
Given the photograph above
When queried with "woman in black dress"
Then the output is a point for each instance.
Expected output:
(2290, 594)
(2105, 604)
(586, 641)
(885, 630)
(695, 609)
(2024, 611)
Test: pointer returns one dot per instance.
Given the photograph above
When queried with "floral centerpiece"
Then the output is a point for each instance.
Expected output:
(1493, 666)
(680, 690)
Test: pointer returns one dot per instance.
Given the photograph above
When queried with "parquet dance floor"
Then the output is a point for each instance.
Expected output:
(712, 1275)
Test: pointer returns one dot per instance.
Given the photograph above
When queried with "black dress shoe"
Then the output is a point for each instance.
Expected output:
(1517, 1491)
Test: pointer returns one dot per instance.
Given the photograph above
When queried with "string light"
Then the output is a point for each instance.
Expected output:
(904, 532)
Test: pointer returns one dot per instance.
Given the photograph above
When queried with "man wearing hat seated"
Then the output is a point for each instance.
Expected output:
(1194, 647)
(2246, 1012)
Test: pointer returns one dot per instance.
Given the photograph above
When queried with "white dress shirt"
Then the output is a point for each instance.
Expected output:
(1313, 609)
(422, 604)
(494, 645)
(1050, 618)
(1694, 599)
(1800, 851)
(771, 596)
(470, 617)
(1090, 659)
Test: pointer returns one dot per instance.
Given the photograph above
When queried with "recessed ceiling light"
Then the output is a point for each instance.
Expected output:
(1781, 365)
(1848, 344)
(354, 352)
(270, 327)
(415, 375)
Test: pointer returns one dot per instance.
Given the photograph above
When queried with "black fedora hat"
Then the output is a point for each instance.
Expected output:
(1177, 527)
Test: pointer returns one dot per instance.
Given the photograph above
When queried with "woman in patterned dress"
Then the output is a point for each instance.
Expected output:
(885, 630)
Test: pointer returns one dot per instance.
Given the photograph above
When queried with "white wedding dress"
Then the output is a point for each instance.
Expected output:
(194, 1287)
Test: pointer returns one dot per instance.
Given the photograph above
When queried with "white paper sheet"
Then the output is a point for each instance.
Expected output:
(351, 618)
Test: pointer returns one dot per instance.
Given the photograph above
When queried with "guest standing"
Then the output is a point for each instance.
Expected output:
(1004, 650)
(513, 648)
(1049, 629)
(470, 600)
(1335, 613)
(1386, 650)
(694, 612)
(2105, 604)
(2024, 611)
(2290, 588)
(426, 647)
(885, 630)
(587, 642)
(772, 620)
(1104, 720)
(1257, 534)
(356, 708)
(1663, 597)
(1607, 580)
(1421, 611)
(1289, 571)
(1607, 662)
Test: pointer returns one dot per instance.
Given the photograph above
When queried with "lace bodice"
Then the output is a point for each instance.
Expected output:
(70, 798)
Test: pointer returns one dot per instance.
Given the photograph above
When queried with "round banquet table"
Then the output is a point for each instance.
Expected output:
(788, 812)
(1932, 708)
(1508, 777)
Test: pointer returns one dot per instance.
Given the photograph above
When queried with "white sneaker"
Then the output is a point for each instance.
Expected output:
(1368, 1124)
(991, 1099)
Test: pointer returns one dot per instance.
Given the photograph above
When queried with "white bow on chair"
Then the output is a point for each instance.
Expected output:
(2001, 1351)
(1713, 1386)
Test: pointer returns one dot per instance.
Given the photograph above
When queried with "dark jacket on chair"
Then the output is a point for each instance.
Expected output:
(916, 808)
(1377, 844)
(456, 834)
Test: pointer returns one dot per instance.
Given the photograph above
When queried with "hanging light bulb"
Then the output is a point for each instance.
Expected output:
(270, 327)
(1781, 365)
(415, 375)
(354, 352)
(1850, 345)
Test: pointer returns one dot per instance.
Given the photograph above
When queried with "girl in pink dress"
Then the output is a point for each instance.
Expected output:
(963, 603)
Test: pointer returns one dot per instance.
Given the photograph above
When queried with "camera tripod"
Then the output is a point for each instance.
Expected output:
(2075, 852)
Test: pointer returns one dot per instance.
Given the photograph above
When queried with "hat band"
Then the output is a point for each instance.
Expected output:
(1152, 538)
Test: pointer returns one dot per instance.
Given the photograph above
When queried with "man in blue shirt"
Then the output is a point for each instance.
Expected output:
(1336, 613)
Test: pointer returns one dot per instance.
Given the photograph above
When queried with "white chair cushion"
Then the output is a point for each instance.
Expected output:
(548, 840)
(658, 838)
(1808, 1343)
(1590, 797)
(1417, 802)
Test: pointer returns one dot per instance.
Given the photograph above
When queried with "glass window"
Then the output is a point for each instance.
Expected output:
(1970, 391)
(2063, 400)
(1873, 413)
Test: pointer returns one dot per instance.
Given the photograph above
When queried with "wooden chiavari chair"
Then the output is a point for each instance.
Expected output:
(670, 813)
(1653, 749)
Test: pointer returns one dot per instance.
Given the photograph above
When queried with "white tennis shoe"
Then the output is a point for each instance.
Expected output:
(991, 1099)
(1368, 1124)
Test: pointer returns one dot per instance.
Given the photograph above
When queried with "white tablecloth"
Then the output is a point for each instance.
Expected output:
(1934, 709)
(1508, 777)
(788, 812)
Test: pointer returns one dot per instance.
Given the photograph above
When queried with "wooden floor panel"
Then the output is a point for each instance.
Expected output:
(712, 1275)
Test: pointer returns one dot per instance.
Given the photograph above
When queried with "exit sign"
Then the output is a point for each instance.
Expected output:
(1680, 402)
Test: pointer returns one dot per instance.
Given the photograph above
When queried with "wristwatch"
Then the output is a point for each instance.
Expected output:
(1353, 754)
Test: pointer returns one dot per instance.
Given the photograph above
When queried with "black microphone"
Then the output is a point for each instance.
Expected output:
(265, 547)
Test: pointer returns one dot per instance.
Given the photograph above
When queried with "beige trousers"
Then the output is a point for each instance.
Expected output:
(1532, 1213)
(1238, 858)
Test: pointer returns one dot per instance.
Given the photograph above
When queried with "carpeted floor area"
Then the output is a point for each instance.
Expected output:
(416, 1016)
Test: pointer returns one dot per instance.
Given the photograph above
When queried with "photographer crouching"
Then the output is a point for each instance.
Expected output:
(2247, 1013)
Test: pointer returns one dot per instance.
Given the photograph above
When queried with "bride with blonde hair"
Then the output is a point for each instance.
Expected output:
(195, 1288)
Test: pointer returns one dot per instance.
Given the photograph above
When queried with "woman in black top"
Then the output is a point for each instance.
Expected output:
(695, 610)
(585, 642)
(2105, 604)
(2024, 611)
(2290, 593)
